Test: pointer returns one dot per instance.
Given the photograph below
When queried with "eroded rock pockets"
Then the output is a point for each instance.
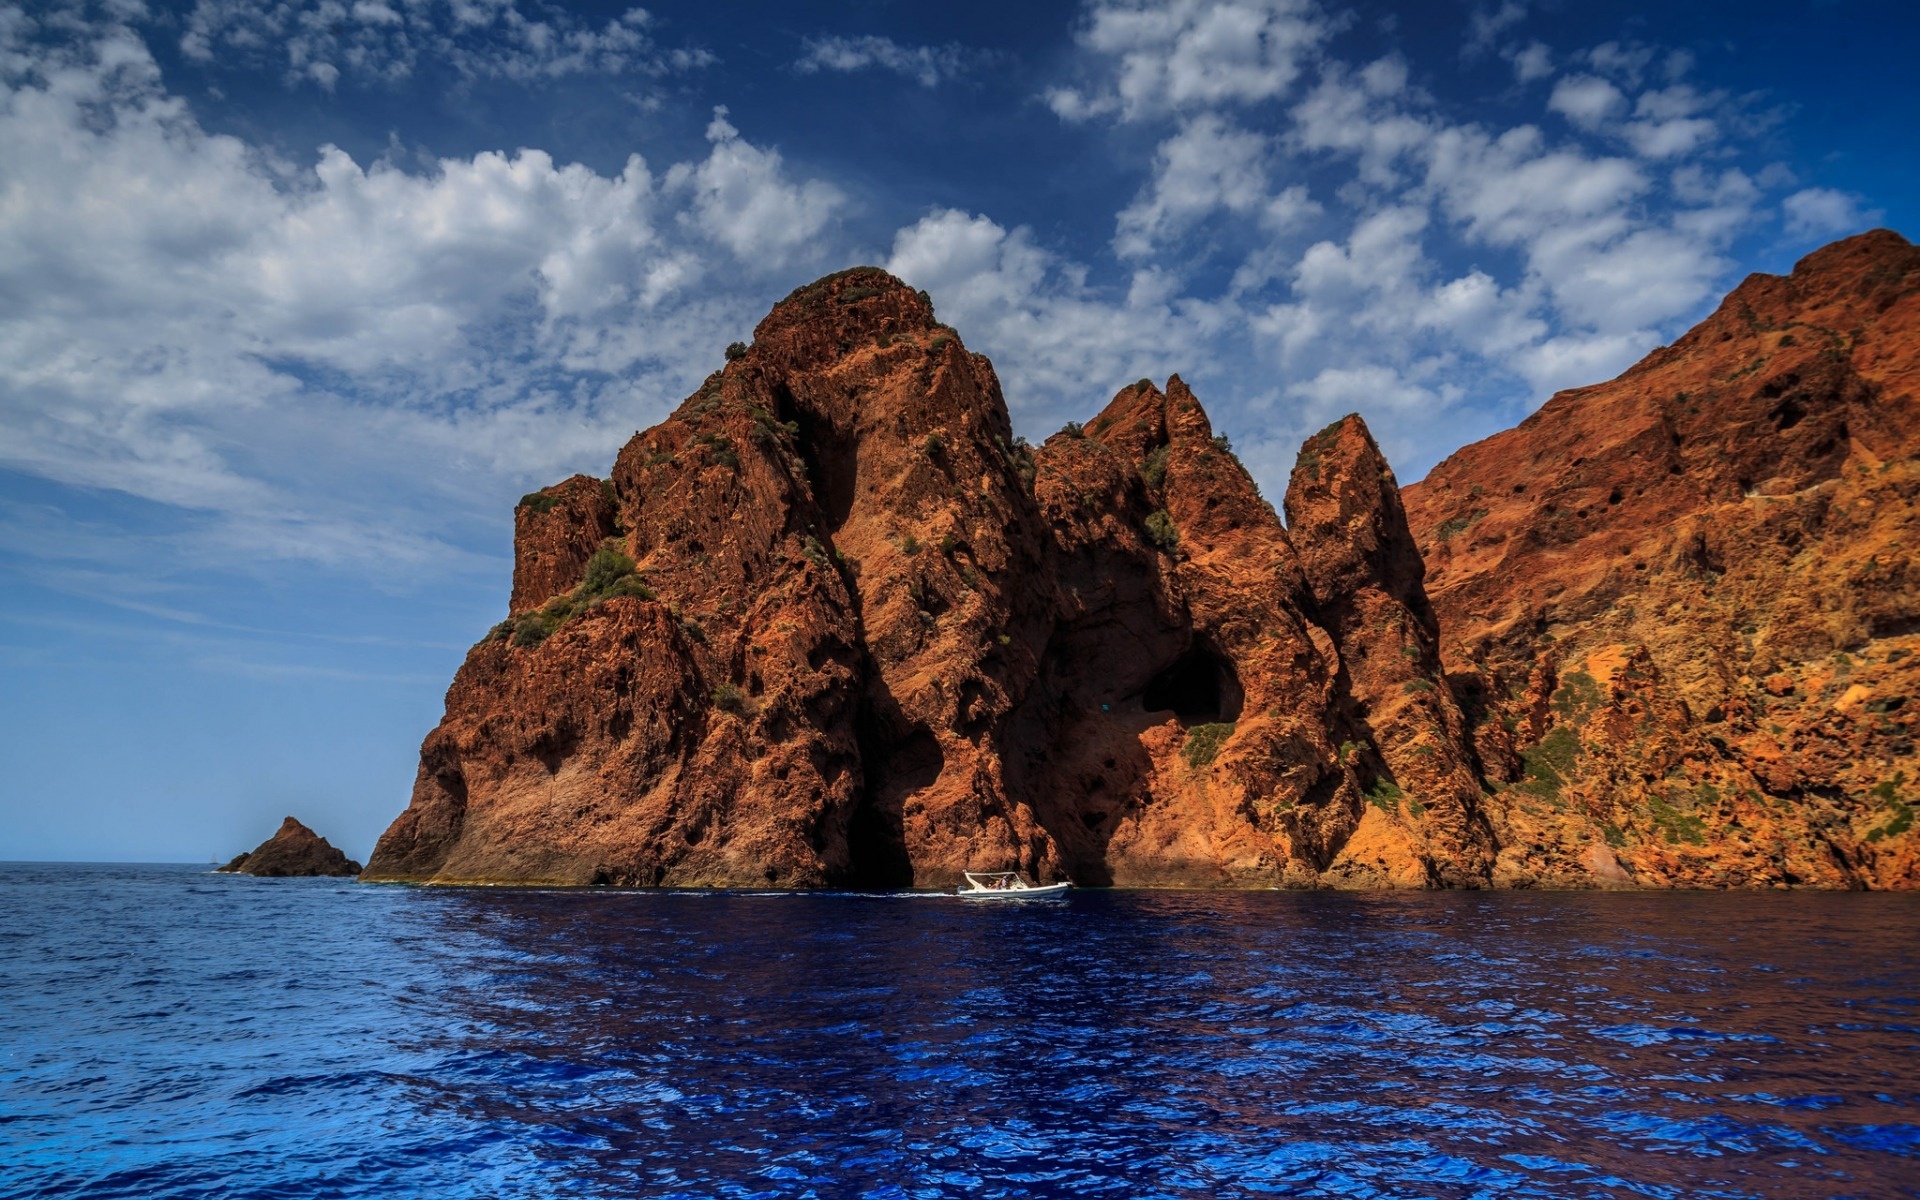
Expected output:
(830, 623)
(1190, 724)
(1684, 602)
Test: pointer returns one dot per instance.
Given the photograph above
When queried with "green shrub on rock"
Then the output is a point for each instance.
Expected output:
(1160, 530)
(1204, 742)
(1154, 469)
(608, 566)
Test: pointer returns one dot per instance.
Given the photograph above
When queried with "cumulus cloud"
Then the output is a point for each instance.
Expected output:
(1531, 61)
(1597, 236)
(1208, 166)
(926, 65)
(1658, 124)
(1824, 213)
(1061, 346)
(1587, 100)
(320, 41)
(281, 348)
(1358, 113)
(1189, 54)
(1486, 25)
(742, 200)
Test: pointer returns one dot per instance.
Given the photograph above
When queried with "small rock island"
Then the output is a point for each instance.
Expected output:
(294, 850)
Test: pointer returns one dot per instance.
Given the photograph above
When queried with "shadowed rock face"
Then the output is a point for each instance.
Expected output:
(829, 624)
(293, 850)
(1688, 596)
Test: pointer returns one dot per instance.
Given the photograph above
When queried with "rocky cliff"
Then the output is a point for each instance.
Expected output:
(831, 624)
(293, 850)
(1683, 605)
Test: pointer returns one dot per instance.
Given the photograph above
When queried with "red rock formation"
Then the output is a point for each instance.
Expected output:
(830, 624)
(293, 850)
(836, 596)
(852, 633)
(1366, 576)
(1179, 731)
(1690, 597)
(555, 531)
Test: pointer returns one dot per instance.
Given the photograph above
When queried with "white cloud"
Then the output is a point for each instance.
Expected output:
(925, 65)
(1338, 390)
(319, 41)
(1487, 24)
(1825, 212)
(743, 200)
(1629, 62)
(1187, 54)
(1207, 166)
(1360, 114)
(1669, 122)
(1577, 359)
(1531, 61)
(283, 348)
(1717, 205)
(1658, 124)
(1061, 347)
(1494, 322)
(1512, 189)
(1587, 100)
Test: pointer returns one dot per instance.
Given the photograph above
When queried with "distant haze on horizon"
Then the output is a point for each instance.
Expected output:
(294, 306)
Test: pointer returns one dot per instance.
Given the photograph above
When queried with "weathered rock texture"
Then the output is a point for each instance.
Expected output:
(293, 850)
(1684, 605)
(1367, 580)
(831, 624)
(555, 531)
(870, 639)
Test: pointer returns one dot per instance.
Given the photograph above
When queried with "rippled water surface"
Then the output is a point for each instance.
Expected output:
(169, 1033)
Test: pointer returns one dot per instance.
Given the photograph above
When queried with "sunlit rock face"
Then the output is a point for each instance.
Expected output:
(830, 624)
(1684, 606)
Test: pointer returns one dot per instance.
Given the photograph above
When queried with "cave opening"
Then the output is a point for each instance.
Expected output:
(1200, 686)
(876, 832)
(831, 455)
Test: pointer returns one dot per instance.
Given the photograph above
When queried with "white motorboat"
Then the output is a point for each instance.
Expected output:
(1007, 885)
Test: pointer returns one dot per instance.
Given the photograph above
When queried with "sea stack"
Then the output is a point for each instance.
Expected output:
(831, 624)
(294, 850)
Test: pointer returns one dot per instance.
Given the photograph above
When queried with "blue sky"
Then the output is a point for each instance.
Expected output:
(297, 297)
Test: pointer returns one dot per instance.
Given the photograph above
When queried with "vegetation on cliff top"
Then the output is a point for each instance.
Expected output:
(609, 573)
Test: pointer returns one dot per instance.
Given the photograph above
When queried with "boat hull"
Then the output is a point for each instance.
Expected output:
(1052, 891)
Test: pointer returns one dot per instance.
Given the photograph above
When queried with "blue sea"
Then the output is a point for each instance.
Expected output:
(165, 1032)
